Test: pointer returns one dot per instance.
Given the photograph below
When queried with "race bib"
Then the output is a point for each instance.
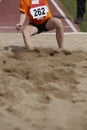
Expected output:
(39, 11)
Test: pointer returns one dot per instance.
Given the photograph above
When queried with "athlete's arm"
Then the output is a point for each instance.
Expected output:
(21, 21)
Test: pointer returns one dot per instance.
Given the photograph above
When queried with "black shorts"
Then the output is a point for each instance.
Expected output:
(41, 27)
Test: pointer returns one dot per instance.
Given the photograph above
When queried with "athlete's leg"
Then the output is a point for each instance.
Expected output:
(28, 31)
(55, 23)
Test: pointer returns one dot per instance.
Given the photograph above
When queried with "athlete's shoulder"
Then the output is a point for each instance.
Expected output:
(25, 1)
(24, 5)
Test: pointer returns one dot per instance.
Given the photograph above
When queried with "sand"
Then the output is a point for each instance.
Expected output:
(43, 89)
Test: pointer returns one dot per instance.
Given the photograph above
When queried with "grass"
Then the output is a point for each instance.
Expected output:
(70, 6)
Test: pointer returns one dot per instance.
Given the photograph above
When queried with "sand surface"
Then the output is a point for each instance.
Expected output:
(43, 89)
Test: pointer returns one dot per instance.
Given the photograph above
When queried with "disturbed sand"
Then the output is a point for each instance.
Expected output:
(43, 89)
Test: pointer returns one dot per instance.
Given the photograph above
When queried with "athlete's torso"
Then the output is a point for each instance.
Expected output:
(37, 10)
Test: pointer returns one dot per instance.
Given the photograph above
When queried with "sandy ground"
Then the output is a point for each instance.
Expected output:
(44, 89)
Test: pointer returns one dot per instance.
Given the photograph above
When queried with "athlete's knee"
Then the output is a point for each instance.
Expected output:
(57, 22)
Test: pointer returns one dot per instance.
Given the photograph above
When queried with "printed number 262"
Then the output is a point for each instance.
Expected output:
(39, 12)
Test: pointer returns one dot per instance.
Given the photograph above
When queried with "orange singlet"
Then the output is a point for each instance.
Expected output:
(37, 10)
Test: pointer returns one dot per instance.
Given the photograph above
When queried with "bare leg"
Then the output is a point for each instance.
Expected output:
(55, 23)
(27, 33)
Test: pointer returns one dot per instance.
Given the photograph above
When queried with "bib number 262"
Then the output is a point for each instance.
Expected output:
(39, 12)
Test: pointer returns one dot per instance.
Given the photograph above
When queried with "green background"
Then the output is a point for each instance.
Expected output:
(70, 6)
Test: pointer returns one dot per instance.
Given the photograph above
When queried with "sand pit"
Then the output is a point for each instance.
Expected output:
(43, 89)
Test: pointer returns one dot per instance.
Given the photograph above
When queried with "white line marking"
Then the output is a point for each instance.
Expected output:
(66, 33)
(13, 27)
(6, 27)
(49, 33)
(76, 33)
(62, 13)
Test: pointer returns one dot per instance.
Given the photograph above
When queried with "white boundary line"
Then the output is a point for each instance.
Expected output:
(6, 27)
(76, 33)
(12, 27)
(62, 13)
(66, 33)
(47, 33)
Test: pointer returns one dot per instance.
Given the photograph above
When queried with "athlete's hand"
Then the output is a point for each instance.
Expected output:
(19, 27)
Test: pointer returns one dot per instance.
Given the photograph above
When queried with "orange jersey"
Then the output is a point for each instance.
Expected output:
(37, 10)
